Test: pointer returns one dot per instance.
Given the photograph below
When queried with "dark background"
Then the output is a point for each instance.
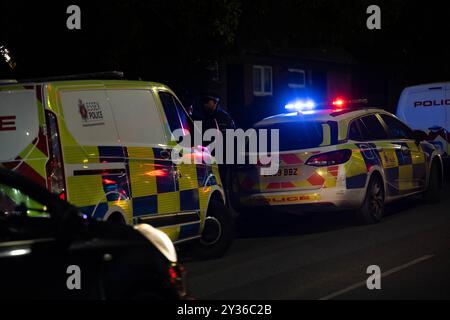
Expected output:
(171, 41)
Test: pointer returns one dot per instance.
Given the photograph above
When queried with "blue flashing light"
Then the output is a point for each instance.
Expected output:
(301, 105)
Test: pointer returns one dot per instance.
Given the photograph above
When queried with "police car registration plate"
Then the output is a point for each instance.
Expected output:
(287, 172)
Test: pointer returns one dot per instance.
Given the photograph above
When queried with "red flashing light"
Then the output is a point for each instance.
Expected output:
(338, 102)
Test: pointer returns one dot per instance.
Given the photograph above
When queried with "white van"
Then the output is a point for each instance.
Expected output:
(427, 108)
(106, 146)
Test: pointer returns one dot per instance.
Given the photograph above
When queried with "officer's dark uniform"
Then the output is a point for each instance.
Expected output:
(219, 119)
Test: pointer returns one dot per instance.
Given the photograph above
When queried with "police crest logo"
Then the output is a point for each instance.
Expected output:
(82, 109)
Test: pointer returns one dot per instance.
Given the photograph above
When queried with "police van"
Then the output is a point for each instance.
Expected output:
(427, 108)
(106, 147)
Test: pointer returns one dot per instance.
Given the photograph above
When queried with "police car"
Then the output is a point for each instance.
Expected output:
(105, 145)
(342, 156)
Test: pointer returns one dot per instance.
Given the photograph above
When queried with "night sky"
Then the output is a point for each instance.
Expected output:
(169, 41)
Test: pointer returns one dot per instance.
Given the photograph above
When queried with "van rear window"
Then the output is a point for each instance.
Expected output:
(301, 135)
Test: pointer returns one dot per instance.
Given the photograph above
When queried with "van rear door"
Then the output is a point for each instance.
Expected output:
(23, 146)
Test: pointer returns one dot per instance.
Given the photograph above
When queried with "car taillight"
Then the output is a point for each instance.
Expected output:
(330, 158)
(56, 182)
(177, 278)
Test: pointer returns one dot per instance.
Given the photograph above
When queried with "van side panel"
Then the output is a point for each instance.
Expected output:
(24, 144)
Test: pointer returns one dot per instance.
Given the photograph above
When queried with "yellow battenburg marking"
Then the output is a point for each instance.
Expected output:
(343, 129)
(142, 171)
(188, 179)
(389, 158)
(356, 166)
(203, 194)
(85, 191)
(215, 170)
(168, 202)
(326, 135)
(417, 155)
(126, 206)
(405, 177)
(173, 232)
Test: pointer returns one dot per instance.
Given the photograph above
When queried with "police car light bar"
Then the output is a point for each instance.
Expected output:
(301, 105)
(337, 103)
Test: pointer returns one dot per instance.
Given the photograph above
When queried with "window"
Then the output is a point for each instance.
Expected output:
(298, 136)
(396, 128)
(89, 118)
(262, 81)
(137, 118)
(374, 128)
(296, 78)
(365, 133)
(14, 202)
(354, 133)
(175, 113)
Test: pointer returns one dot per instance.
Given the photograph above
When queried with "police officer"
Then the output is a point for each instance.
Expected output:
(214, 116)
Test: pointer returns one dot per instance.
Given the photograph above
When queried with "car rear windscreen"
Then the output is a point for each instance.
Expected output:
(300, 135)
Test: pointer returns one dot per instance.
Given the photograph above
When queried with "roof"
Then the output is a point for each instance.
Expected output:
(323, 115)
(428, 86)
(84, 83)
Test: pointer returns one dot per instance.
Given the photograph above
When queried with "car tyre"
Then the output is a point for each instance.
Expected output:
(218, 233)
(372, 209)
(433, 193)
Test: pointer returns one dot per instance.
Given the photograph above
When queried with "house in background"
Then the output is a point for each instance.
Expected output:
(254, 85)
(260, 85)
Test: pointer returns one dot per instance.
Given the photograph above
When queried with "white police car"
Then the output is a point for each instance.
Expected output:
(341, 156)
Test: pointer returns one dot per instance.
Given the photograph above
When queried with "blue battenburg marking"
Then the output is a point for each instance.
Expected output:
(98, 214)
(201, 175)
(392, 176)
(370, 154)
(116, 187)
(111, 154)
(145, 205)
(165, 183)
(357, 182)
(189, 200)
(189, 231)
(404, 157)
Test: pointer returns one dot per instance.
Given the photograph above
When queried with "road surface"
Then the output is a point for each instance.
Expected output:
(326, 256)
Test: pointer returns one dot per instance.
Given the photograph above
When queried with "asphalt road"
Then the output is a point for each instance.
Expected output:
(325, 256)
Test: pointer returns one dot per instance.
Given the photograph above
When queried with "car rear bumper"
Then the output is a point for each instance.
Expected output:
(322, 199)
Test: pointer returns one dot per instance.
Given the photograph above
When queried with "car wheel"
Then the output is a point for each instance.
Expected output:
(372, 209)
(218, 233)
(433, 192)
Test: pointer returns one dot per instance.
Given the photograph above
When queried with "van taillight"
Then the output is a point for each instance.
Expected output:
(56, 182)
(330, 158)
